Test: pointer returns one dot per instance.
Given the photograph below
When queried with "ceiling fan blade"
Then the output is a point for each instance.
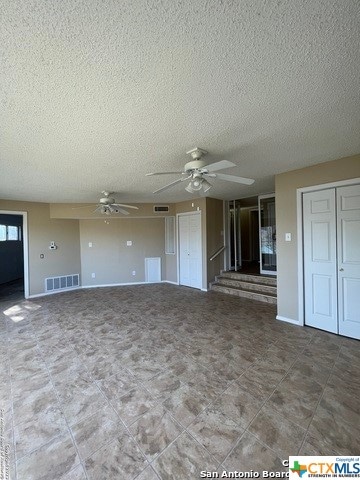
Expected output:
(120, 210)
(233, 178)
(169, 185)
(97, 209)
(214, 167)
(123, 205)
(163, 173)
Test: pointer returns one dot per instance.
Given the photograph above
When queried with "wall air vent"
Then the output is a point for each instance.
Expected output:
(161, 208)
(65, 282)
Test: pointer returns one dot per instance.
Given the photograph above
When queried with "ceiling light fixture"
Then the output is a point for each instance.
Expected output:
(206, 185)
(198, 183)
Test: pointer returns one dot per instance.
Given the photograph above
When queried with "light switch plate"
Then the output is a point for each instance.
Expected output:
(287, 237)
(129, 243)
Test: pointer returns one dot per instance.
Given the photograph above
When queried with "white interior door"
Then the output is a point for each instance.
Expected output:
(320, 265)
(190, 254)
(348, 229)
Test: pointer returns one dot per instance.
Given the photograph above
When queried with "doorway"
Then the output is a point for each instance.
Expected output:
(14, 281)
(190, 251)
(331, 253)
(251, 238)
(267, 224)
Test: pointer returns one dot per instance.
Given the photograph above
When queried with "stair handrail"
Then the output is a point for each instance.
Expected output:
(220, 250)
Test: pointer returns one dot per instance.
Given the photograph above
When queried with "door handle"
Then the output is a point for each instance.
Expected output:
(341, 269)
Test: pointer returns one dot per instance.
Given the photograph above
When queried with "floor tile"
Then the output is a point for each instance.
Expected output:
(120, 459)
(147, 474)
(216, 432)
(39, 430)
(34, 403)
(238, 405)
(184, 459)
(336, 426)
(207, 383)
(185, 404)
(296, 397)
(78, 404)
(249, 454)
(118, 384)
(261, 379)
(163, 385)
(168, 358)
(133, 405)
(77, 473)
(52, 460)
(277, 432)
(154, 431)
(96, 430)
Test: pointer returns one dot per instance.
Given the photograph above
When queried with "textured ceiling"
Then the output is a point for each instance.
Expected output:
(94, 94)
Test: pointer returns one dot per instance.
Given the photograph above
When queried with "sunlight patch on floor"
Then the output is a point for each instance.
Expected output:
(19, 312)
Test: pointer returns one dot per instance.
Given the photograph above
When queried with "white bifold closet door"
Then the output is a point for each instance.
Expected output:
(331, 226)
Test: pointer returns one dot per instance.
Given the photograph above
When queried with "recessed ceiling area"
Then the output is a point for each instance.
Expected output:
(94, 95)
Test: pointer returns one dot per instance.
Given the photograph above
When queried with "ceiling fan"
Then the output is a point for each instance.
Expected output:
(196, 170)
(107, 205)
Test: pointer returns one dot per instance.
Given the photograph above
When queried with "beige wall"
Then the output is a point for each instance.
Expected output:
(110, 258)
(214, 236)
(286, 185)
(79, 211)
(41, 231)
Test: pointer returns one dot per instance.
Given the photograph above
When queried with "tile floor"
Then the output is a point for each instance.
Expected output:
(161, 382)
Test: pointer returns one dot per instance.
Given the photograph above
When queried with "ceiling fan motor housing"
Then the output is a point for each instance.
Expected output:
(195, 165)
(106, 201)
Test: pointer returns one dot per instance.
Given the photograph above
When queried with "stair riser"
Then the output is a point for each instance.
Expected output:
(250, 278)
(256, 287)
(241, 293)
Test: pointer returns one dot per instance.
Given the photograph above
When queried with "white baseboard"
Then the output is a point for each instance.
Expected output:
(100, 286)
(115, 284)
(288, 320)
(45, 294)
(204, 289)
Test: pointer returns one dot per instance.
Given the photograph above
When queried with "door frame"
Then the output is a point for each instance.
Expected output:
(300, 242)
(178, 215)
(24, 234)
(262, 197)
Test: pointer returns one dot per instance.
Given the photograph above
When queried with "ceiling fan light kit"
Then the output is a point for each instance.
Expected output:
(107, 205)
(197, 169)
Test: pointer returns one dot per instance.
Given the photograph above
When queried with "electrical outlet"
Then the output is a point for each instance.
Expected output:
(134, 272)
(93, 275)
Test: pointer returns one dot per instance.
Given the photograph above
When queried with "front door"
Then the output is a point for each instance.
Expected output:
(190, 253)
